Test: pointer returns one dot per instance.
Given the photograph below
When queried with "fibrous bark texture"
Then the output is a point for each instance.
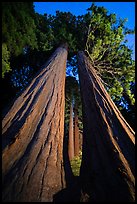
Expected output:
(33, 129)
(71, 136)
(107, 170)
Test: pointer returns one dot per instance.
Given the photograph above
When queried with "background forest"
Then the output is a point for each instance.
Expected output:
(29, 38)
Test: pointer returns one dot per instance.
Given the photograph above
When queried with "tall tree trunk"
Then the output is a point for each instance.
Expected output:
(76, 132)
(107, 170)
(71, 136)
(33, 129)
(80, 140)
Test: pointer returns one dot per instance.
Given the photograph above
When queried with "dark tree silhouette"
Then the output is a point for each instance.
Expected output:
(107, 170)
(33, 129)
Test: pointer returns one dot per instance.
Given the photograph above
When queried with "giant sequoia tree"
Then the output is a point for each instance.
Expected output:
(108, 156)
(32, 140)
(101, 34)
(33, 130)
(111, 57)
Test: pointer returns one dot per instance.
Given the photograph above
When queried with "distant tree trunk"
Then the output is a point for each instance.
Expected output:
(33, 129)
(71, 136)
(108, 156)
(76, 132)
(80, 140)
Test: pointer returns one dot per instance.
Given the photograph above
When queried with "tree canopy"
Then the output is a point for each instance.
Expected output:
(108, 52)
(28, 38)
(111, 57)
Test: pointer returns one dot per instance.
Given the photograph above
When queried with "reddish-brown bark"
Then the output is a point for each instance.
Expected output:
(80, 140)
(108, 156)
(71, 135)
(33, 129)
(76, 133)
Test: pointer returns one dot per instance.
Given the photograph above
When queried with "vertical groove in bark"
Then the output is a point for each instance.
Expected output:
(33, 130)
(108, 157)
(76, 133)
(71, 135)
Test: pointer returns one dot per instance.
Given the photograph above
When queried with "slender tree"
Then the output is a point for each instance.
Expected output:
(71, 84)
(33, 129)
(71, 134)
(107, 170)
(72, 99)
(76, 132)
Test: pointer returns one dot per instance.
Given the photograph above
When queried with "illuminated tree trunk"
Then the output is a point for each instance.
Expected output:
(76, 133)
(108, 156)
(71, 136)
(33, 129)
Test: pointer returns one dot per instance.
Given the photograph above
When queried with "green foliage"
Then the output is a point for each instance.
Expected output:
(5, 60)
(29, 38)
(18, 26)
(109, 54)
(116, 90)
(44, 33)
(76, 163)
(63, 25)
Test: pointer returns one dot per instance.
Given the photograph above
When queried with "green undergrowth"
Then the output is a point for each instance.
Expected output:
(76, 163)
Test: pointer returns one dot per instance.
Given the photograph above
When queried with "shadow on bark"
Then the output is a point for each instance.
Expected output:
(72, 191)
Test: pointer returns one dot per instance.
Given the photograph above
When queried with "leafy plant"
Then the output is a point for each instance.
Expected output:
(76, 163)
(5, 60)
